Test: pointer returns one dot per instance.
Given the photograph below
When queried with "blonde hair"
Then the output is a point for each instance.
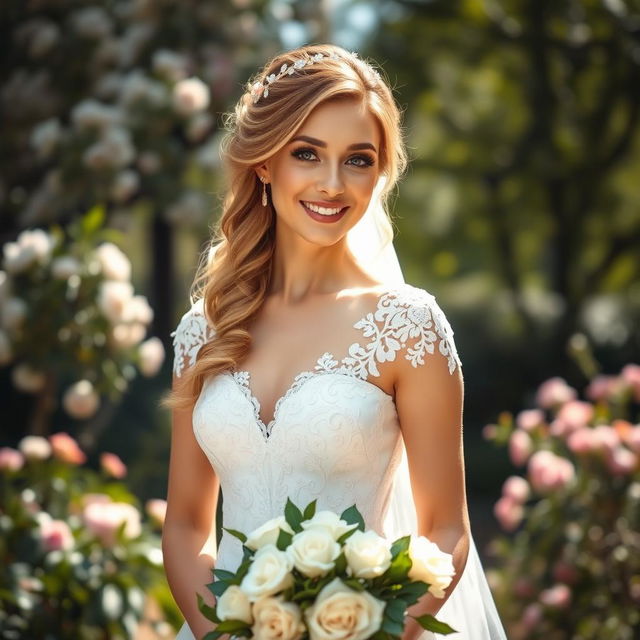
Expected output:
(235, 269)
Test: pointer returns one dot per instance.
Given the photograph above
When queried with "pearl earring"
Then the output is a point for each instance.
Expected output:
(264, 191)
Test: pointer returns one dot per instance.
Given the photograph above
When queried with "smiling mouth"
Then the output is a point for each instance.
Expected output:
(328, 212)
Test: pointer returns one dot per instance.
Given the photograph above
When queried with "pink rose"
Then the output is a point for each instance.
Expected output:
(571, 416)
(55, 535)
(548, 472)
(156, 509)
(11, 459)
(632, 438)
(621, 461)
(516, 488)
(508, 512)
(531, 616)
(556, 597)
(520, 447)
(65, 448)
(582, 441)
(529, 419)
(112, 465)
(602, 387)
(605, 438)
(553, 392)
(103, 520)
(489, 431)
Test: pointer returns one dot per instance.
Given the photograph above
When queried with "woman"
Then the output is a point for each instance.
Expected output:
(307, 368)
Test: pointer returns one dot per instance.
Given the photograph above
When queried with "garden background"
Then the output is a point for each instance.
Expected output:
(520, 212)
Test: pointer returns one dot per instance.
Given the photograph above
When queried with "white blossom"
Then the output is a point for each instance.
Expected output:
(137, 87)
(169, 64)
(90, 114)
(113, 298)
(63, 267)
(92, 22)
(114, 263)
(151, 353)
(198, 126)
(13, 313)
(45, 37)
(81, 400)
(27, 379)
(125, 184)
(114, 149)
(190, 96)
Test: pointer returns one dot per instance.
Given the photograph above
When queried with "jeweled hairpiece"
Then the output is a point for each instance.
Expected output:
(259, 90)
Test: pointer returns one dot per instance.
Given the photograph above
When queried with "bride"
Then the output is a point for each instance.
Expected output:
(306, 368)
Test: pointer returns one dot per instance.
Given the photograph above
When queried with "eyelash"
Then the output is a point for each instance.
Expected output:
(367, 159)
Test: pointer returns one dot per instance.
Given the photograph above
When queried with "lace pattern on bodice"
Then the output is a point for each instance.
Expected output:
(402, 314)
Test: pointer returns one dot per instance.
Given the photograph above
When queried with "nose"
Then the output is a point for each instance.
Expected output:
(331, 181)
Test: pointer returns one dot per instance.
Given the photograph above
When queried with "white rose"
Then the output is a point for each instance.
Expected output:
(368, 554)
(64, 267)
(113, 299)
(234, 604)
(115, 264)
(269, 573)
(14, 312)
(81, 400)
(190, 96)
(330, 521)
(27, 379)
(138, 310)
(267, 533)
(341, 613)
(313, 551)
(124, 336)
(35, 447)
(151, 354)
(430, 565)
(276, 619)
(16, 258)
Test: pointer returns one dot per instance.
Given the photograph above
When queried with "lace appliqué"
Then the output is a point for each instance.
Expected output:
(191, 333)
(401, 315)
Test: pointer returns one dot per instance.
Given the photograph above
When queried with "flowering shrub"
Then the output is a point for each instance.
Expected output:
(571, 569)
(69, 313)
(76, 558)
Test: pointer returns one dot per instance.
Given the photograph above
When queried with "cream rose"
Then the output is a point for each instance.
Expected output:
(276, 619)
(341, 613)
(313, 551)
(330, 521)
(430, 565)
(267, 533)
(368, 554)
(269, 573)
(234, 604)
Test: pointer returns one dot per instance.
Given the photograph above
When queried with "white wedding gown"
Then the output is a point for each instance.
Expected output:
(335, 437)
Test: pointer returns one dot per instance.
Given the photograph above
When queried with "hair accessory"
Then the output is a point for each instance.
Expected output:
(264, 192)
(259, 90)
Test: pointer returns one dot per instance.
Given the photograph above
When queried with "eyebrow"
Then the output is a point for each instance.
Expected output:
(320, 143)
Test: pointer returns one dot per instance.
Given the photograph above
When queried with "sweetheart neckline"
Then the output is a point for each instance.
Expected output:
(298, 383)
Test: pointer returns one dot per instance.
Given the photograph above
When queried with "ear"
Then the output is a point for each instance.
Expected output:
(263, 172)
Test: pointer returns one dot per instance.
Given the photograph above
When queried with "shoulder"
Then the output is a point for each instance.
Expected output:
(411, 320)
(192, 332)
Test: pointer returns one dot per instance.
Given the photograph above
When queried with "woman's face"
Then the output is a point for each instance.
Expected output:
(330, 165)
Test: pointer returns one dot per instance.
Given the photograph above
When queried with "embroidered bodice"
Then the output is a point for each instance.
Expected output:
(334, 435)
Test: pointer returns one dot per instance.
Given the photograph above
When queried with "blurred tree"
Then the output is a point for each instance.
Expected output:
(522, 194)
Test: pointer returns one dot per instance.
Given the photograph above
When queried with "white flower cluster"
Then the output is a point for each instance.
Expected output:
(338, 610)
(31, 258)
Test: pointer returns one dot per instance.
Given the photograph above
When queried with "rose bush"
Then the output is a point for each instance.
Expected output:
(571, 566)
(77, 557)
(71, 289)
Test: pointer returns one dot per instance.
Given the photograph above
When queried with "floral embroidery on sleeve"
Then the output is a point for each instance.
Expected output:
(191, 333)
(402, 314)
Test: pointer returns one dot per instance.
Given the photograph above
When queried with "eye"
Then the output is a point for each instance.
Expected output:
(366, 161)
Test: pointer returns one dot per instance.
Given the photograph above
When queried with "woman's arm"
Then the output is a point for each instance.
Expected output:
(188, 534)
(429, 401)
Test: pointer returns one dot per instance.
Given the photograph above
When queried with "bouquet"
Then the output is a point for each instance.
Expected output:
(320, 576)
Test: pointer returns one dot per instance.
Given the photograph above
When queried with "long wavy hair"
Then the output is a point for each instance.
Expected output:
(235, 269)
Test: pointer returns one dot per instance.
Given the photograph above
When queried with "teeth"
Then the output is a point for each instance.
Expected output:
(323, 211)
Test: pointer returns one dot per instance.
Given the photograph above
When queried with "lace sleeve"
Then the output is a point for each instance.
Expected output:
(191, 333)
(432, 330)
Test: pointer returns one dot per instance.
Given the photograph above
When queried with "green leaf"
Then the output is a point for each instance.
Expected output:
(237, 534)
(430, 623)
(340, 564)
(284, 540)
(355, 584)
(208, 611)
(399, 568)
(217, 588)
(353, 516)
(232, 625)
(293, 515)
(93, 220)
(310, 510)
(392, 626)
(342, 539)
(413, 591)
(396, 609)
(401, 544)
